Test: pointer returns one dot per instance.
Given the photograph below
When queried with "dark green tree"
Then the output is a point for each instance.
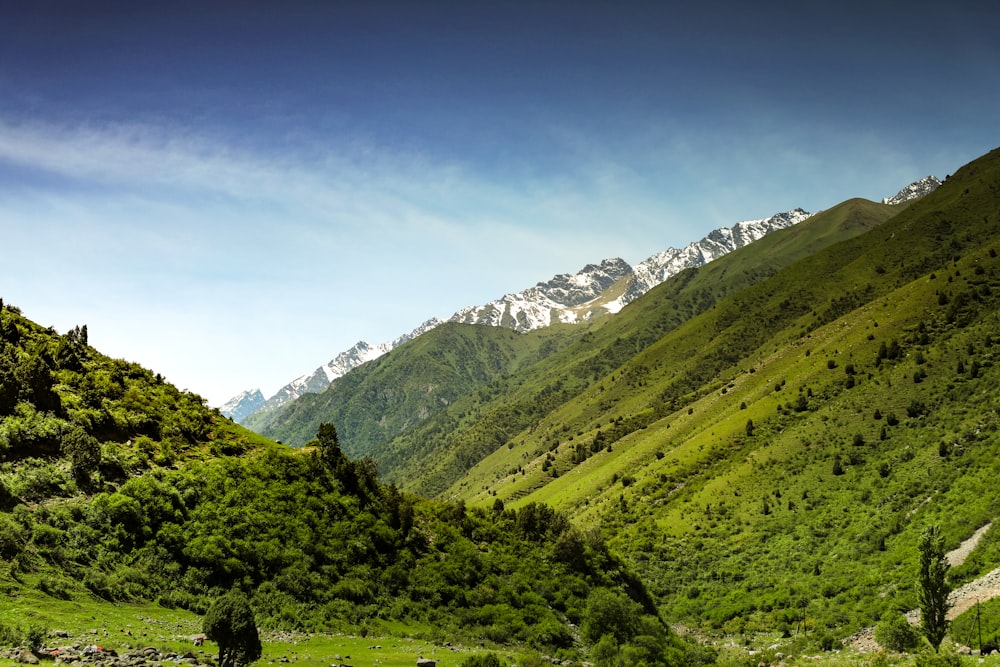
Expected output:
(84, 452)
(934, 588)
(838, 467)
(610, 612)
(230, 623)
(329, 446)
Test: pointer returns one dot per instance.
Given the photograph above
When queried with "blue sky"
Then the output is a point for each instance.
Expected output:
(231, 193)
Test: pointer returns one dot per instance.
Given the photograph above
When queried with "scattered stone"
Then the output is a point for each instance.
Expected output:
(27, 657)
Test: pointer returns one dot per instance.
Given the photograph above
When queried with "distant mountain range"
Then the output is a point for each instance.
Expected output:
(596, 290)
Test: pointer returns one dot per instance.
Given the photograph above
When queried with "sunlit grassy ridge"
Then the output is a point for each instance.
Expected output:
(710, 454)
(763, 437)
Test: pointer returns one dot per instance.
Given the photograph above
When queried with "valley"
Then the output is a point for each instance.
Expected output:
(749, 451)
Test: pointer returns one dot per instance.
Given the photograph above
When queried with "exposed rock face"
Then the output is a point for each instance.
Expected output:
(914, 190)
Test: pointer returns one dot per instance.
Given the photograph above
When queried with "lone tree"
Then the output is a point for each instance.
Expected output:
(934, 588)
(230, 623)
(84, 452)
(329, 446)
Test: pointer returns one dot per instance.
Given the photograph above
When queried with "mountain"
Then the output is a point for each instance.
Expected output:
(775, 454)
(119, 491)
(597, 289)
(243, 405)
(380, 400)
(763, 437)
(315, 382)
(661, 266)
(915, 190)
(564, 299)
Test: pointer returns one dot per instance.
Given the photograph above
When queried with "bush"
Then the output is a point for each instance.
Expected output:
(942, 659)
(35, 637)
(610, 613)
(482, 660)
(9, 635)
(896, 634)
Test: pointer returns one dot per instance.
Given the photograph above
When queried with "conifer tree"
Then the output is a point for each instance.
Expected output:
(934, 588)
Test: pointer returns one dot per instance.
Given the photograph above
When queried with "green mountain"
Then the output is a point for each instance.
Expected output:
(381, 399)
(434, 407)
(763, 438)
(117, 487)
(775, 456)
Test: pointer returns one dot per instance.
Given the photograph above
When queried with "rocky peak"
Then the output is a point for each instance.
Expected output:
(914, 190)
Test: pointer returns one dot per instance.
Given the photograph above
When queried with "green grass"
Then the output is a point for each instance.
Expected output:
(125, 626)
(734, 531)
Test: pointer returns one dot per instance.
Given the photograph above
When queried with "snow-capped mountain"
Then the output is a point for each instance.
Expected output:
(557, 300)
(318, 380)
(569, 298)
(243, 404)
(914, 190)
(566, 298)
(654, 270)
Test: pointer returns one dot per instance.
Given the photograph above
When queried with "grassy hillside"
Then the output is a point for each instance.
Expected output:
(764, 438)
(775, 457)
(436, 452)
(115, 488)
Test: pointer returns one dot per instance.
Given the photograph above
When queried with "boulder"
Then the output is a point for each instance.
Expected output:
(426, 662)
(27, 657)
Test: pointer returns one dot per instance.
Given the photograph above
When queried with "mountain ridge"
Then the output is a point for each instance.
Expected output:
(565, 298)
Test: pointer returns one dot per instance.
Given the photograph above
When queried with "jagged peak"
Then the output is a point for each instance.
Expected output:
(914, 190)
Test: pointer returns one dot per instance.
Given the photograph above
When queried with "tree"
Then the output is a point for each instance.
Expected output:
(934, 588)
(231, 624)
(84, 452)
(609, 612)
(329, 446)
(896, 634)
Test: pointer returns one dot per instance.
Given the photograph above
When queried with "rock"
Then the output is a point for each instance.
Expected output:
(59, 633)
(27, 657)
(426, 662)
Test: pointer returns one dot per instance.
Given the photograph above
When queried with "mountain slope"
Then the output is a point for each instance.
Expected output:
(115, 487)
(379, 400)
(779, 453)
(424, 460)
(595, 290)
(315, 382)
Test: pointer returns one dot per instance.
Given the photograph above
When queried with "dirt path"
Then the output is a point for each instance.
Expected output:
(985, 587)
(960, 600)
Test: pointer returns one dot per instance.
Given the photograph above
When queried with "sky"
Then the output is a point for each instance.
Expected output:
(231, 193)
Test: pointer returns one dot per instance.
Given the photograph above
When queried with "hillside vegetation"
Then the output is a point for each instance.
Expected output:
(773, 459)
(765, 437)
(115, 487)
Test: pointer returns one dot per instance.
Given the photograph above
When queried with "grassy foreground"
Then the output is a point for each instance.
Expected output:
(123, 626)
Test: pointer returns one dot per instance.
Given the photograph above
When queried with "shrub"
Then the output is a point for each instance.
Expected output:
(945, 659)
(9, 635)
(35, 636)
(896, 634)
(482, 660)
(610, 613)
